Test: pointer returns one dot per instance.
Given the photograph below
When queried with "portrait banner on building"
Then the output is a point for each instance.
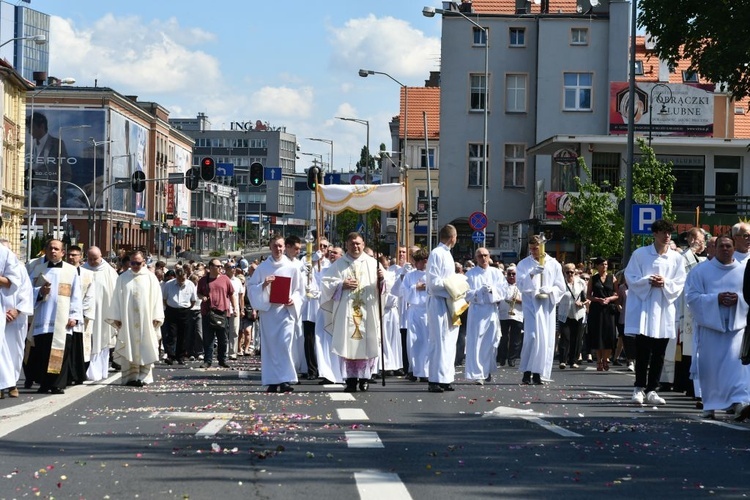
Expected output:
(60, 145)
(360, 198)
(129, 148)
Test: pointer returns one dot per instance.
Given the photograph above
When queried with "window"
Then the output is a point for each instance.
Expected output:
(422, 158)
(605, 170)
(517, 37)
(639, 67)
(690, 77)
(515, 93)
(476, 165)
(577, 91)
(515, 166)
(478, 92)
(579, 36)
(480, 37)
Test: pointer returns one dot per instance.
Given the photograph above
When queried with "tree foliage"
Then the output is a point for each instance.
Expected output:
(594, 219)
(346, 222)
(713, 36)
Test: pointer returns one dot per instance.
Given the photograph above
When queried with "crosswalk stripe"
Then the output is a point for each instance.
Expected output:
(720, 423)
(212, 428)
(363, 439)
(376, 485)
(341, 396)
(606, 395)
(351, 414)
(552, 427)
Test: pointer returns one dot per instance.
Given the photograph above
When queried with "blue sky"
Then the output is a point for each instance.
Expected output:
(291, 63)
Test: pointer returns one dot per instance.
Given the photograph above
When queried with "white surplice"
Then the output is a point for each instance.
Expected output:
(16, 296)
(718, 334)
(417, 339)
(487, 287)
(278, 322)
(392, 359)
(137, 303)
(102, 333)
(443, 334)
(539, 318)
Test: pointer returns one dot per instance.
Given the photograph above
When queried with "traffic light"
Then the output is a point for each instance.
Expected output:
(314, 178)
(138, 181)
(208, 169)
(192, 178)
(256, 174)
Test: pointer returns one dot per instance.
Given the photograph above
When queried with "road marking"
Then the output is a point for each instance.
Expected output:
(212, 428)
(720, 423)
(510, 412)
(363, 439)
(351, 414)
(341, 396)
(605, 395)
(17, 417)
(194, 415)
(376, 485)
(332, 386)
(552, 427)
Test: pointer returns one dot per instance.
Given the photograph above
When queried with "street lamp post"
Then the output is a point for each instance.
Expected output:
(64, 81)
(662, 111)
(430, 12)
(59, 166)
(366, 123)
(327, 141)
(402, 154)
(39, 39)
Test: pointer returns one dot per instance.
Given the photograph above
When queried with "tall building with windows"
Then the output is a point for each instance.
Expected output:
(243, 144)
(27, 57)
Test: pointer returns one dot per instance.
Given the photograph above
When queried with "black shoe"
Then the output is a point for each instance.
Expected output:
(400, 372)
(537, 379)
(286, 388)
(42, 390)
(169, 361)
(57, 390)
(511, 363)
(526, 380)
(272, 388)
(434, 388)
(501, 363)
(116, 366)
(180, 361)
(376, 376)
(488, 379)
(424, 379)
(364, 385)
(205, 365)
(27, 384)
(351, 385)
(411, 378)
(447, 387)
(224, 364)
(325, 381)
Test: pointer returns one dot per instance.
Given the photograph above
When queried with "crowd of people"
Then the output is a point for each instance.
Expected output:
(674, 317)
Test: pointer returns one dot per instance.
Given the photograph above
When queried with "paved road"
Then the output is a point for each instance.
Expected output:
(215, 434)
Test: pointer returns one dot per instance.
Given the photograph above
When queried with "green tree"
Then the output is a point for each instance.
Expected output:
(347, 221)
(713, 36)
(594, 219)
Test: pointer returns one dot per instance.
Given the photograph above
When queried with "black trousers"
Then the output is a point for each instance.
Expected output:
(176, 329)
(194, 338)
(510, 341)
(404, 351)
(210, 333)
(569, 347)
(39, 360)
(308, 329)
(649, 361)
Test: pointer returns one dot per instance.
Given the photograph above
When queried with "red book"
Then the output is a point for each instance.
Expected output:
(280, 288)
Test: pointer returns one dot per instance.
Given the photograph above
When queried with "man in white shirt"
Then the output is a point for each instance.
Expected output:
(180, 296)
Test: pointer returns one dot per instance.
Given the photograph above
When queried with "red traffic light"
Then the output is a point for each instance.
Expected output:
(208, 169)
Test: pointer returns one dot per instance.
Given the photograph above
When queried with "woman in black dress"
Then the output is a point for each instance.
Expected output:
(602, 293)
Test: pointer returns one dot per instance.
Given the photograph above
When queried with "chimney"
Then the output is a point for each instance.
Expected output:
(39, 78)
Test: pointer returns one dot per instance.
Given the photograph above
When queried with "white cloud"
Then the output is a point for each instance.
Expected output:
(283, 102)
(384, 44)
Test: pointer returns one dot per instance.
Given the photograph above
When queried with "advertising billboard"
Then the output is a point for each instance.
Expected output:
(59, 142)
(129, 150)
(663, 109)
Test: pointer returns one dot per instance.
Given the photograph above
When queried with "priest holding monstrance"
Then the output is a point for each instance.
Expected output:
(350, 300)
(542, 285)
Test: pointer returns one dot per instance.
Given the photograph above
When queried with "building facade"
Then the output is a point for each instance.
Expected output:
(231, 198)
(83, 146)
(27, 57)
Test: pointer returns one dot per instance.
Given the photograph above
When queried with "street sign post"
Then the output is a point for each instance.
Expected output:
(477, 237)
(273, 173)
(644, 216)
(478, 221)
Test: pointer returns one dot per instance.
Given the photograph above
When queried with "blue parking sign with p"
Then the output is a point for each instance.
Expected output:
(644, 216)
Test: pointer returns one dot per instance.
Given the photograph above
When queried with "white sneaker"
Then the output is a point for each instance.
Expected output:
(631, 366)
(639, 396)
(654, 399)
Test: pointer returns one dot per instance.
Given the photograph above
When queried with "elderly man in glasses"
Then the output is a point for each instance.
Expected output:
(137, 312)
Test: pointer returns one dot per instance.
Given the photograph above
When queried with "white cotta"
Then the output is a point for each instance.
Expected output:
(443, 333)
(487, 287)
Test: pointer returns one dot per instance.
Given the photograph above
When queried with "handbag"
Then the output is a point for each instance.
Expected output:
(217, 319)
